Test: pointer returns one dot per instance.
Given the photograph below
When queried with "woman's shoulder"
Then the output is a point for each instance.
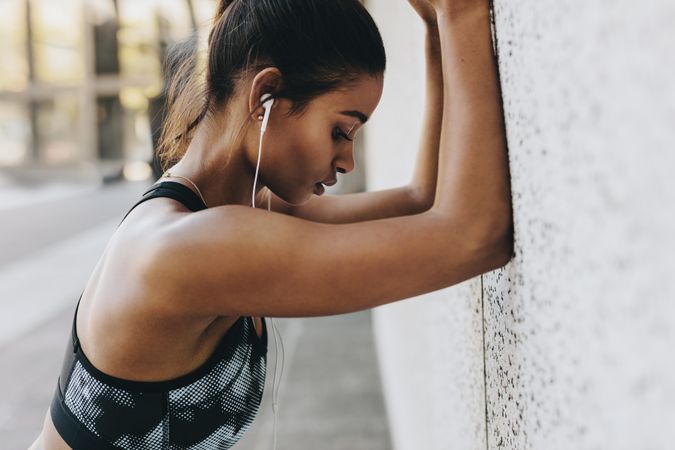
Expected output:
(124, 322)
(125, 327)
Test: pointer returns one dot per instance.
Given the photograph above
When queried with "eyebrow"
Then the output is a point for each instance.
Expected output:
(357, 114)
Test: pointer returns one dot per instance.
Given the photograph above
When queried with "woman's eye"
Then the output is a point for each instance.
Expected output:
(339, 134)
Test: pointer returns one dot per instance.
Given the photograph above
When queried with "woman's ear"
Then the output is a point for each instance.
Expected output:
(267, 81)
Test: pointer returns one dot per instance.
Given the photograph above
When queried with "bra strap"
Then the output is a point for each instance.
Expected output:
(173, 190)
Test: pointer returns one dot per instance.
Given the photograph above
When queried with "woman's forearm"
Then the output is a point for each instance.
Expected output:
(424, 178)
(473, 182)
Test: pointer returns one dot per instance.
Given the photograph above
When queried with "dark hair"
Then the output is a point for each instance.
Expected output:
(317, 45)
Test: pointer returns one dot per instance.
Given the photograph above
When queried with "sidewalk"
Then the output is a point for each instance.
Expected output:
(331, 395)
(32, 218)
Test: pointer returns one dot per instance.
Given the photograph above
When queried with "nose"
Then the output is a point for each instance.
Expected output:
(344, 163)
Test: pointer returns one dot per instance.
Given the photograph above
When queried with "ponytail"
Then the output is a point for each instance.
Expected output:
(186, 101)
(222, 7)
(187, 94)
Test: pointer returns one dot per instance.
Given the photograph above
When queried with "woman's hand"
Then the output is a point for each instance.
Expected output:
(425, 10)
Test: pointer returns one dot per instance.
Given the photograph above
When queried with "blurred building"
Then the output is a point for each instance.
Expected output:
(81, 80)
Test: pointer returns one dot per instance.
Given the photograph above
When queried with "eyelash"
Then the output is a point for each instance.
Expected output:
(340, 135)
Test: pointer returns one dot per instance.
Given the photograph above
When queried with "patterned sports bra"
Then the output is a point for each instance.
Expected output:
(208, 408)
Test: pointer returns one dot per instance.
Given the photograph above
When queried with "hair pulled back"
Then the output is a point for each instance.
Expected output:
(317, 45)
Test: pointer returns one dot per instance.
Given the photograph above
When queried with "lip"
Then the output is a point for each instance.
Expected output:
(319, 189)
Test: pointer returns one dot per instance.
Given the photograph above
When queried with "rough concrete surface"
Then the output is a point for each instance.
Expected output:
(579, 328)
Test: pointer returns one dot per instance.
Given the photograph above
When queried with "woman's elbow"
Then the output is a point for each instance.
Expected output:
(491, 243)
(421, 197)
(497, 249)
(503, 252)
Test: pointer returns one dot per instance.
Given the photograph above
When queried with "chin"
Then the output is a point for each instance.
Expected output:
(306, 197)
(296, 198)
(302, 200)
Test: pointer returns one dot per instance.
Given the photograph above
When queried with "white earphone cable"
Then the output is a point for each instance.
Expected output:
(275, 331)
(257, 168)
(275, 395)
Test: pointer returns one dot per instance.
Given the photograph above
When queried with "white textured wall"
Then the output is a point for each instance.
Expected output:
(581, 326)
(579, 330)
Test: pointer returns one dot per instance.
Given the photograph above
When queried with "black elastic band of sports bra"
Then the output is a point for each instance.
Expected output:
(73, 333)
(186, 196)
(171, 189)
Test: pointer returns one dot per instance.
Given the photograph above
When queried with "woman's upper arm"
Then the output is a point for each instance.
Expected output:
(235, 260)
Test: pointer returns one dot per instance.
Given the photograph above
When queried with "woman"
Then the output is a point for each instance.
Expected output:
(168, 346)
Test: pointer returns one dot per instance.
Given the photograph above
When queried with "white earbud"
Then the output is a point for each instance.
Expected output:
(267, 102)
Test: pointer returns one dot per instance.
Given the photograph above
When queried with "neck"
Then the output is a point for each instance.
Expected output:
(217, 164)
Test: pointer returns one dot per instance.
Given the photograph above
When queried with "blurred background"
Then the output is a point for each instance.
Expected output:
(81, 106)
(81, 82)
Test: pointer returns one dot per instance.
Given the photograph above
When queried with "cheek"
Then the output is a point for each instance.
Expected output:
(304, 152)
(289, 164)
(309, 155)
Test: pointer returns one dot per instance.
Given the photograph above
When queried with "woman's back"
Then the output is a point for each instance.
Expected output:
(117, 311)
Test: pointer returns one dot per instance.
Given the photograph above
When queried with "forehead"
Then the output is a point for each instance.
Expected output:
(361, 97)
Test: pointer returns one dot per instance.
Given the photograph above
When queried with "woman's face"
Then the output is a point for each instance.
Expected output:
(302, 151)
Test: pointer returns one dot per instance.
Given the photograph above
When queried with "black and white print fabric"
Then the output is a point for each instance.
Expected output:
(210, 408)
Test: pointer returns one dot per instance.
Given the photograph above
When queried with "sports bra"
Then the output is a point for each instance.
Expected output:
(208, 408)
